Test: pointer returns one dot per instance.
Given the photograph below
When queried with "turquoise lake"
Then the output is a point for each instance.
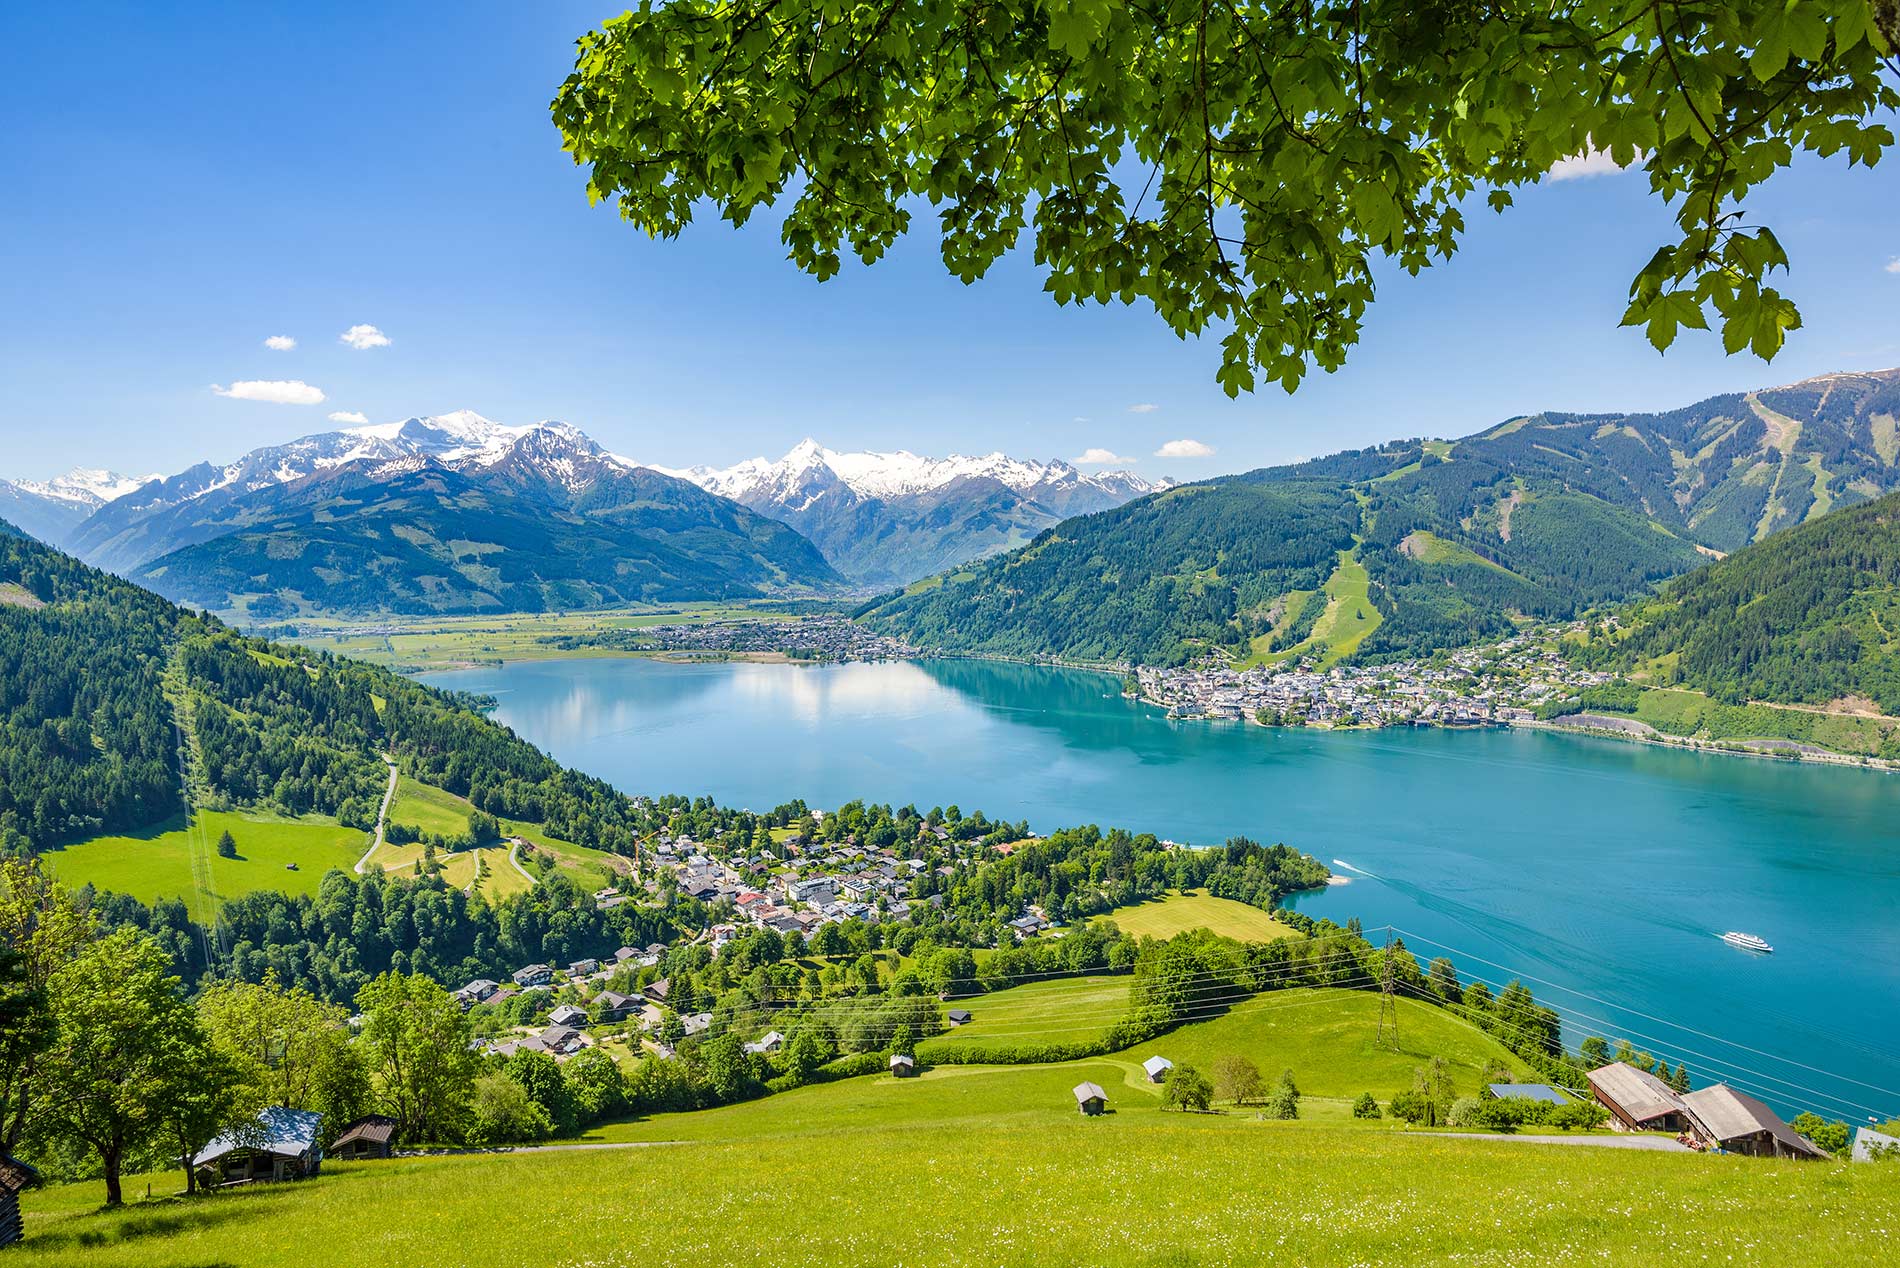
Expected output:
(1600, 872)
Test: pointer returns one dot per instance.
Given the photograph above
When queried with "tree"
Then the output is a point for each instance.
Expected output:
(41, 930)
(1272, 154)
(1283, 1103)
(123, 1051)
(1831, 1136)
(501, 1112)
(1367, 1106)
(1186, 1089)
(1443, 977)
(291, 1046)
(539, 1074)
(595, 1085)
(729, 1069)
(1236, 1078)
(416, 1040)
(227, 845)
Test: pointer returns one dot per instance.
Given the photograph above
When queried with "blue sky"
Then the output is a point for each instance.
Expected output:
(182, 183)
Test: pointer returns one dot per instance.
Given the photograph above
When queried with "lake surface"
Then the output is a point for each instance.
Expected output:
(1600, 872)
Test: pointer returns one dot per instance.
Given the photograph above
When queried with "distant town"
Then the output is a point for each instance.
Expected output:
(1497, 684)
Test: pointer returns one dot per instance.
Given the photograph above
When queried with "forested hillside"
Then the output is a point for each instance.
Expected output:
(1810, 616)
(95, 673)
(1450, 543)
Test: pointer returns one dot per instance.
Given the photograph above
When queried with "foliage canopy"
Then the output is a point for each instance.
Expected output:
(1239, 164)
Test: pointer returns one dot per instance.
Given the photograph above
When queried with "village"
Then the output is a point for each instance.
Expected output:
(1496, 685)
(829, 639)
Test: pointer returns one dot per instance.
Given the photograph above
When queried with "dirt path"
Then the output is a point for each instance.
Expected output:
(382, 819)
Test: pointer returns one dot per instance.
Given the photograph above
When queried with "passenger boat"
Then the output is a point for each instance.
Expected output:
(1746, 941)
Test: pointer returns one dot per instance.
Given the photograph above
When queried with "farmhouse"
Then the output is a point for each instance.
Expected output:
(658, 990)
(568, 1015)
(903, 1066)
(1636, 1099)
(1157, 1068)
(613, 1006)
(280, 1145)
(534, 975)
(771, 1041)
(1737, 1123)
(561, 1040)
(581, 968)
(1090, 1099)
(476, 992)
(365, 1138)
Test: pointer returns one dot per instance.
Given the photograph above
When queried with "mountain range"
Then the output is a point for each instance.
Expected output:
(1416, 545)
(887, 519)
(457, 513)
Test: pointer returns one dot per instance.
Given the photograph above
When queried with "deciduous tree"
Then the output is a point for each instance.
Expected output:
(1243, 166)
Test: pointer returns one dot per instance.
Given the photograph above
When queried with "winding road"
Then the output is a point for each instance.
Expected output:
(382, 819)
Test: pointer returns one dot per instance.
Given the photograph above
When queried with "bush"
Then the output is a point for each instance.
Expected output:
(1284, 1103)
(1367, 1106)
(1408, 1106)
(504, 1114)
(1467, 1111)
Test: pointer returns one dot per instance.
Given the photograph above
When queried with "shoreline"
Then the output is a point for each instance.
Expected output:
(1721, 748)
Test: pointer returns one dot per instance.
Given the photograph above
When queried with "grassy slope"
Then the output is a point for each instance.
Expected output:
(1197, 909)
(437, 810)
(1132, 1190)
(1065, 1010)
(158, 865)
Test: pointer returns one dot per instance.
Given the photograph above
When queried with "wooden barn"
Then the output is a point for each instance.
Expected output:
(1638, 1100)
(282, 1144)
(1090, 1099)
(15, 1178)
(903, 1066)
(1737, 1123)
(370, 1137)
(1157, 1068)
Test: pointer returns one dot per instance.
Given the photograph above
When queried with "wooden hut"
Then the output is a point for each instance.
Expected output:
(1636, 1099)
(1090, 1099)
(903, 1066)
(370, 1137)
(15, 1178)
(282, 1144)
(1157, 1068)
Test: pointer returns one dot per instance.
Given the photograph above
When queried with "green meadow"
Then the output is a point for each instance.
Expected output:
(1039, 1189)
(158, 864)
(1062, 1011)
(1197, 909)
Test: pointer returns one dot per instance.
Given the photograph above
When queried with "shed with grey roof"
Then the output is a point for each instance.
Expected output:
(1873, 1146)
(1090, 1099)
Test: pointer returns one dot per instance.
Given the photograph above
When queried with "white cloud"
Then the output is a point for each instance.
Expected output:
(348, 416)
(1143, 408)
(276, 391)
(1185, 449)
(1093, 457)
(280, 343)
(361, 337)
(1893, 265)
(1584, 165)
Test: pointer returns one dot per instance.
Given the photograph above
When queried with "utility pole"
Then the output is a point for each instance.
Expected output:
(1388, 1003)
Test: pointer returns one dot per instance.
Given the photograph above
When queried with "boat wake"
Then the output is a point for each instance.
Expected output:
(1350, 868)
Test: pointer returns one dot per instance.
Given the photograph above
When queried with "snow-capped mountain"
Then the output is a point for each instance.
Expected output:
(890, 518)
(901, 474)
(160, 516)
(877, 518)
(51, 509)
